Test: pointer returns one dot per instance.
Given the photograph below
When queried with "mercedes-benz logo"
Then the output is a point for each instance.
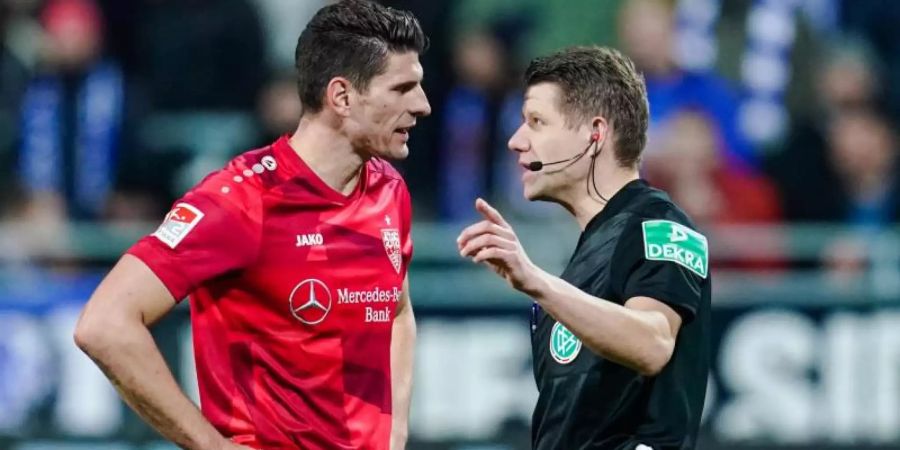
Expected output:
(310, 301)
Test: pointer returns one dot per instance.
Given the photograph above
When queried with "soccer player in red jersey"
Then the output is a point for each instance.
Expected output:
(295, 258)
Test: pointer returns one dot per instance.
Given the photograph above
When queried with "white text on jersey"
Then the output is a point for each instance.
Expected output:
(378, 314)
(309, 239)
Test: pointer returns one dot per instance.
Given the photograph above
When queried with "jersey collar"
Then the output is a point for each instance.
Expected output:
(298, 171)
(617, 203)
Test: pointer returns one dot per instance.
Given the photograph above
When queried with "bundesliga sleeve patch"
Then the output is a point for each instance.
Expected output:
(665, 240)
(177, 224)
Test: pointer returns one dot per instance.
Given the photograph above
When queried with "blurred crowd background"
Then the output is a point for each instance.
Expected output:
(774, 124)
(763, 112)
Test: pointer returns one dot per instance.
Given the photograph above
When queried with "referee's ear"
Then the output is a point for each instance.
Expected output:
(599, 129)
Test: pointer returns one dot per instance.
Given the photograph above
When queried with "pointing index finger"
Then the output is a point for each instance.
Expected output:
(489, 212)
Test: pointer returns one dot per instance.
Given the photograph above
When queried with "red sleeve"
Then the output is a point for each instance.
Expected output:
(406, 242)
(202, 237)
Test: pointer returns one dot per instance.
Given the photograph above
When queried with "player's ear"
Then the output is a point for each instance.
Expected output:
(337, 96)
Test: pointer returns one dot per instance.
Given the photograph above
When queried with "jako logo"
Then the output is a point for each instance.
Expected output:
(309, 239)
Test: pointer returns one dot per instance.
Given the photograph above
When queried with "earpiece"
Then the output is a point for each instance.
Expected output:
(536, 166)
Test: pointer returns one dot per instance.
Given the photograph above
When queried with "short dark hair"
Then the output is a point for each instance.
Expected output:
(599, 81)
(351, 39)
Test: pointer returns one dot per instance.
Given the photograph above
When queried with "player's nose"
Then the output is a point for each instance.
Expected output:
(420, 106)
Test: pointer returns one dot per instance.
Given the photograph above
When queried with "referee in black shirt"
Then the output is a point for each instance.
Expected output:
(620, 340)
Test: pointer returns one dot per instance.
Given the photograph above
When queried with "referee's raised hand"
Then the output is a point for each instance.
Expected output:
(493, 242)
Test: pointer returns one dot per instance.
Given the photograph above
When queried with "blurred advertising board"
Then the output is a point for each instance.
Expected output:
(784, 375)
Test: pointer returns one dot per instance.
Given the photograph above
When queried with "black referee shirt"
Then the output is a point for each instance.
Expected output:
(641, 244)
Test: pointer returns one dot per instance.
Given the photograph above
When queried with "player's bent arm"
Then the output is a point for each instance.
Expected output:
(403, 341)
(640, 335)
(113, 331)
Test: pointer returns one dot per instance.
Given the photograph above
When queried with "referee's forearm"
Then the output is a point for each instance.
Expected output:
(635, 339)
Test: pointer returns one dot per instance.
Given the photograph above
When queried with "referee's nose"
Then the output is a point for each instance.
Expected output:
(518, 142)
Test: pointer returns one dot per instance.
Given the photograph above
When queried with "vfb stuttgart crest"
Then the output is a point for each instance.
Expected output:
(391, 239)
(564, 346)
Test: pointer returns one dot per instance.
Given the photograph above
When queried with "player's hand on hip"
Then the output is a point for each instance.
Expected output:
(494, 243)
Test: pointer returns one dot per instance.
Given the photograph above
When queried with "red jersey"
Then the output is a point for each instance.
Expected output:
(293, 290)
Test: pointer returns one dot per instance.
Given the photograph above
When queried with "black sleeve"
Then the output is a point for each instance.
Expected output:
(644, 265)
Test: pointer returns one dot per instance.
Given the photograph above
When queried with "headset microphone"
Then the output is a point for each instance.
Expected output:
(536, 166)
